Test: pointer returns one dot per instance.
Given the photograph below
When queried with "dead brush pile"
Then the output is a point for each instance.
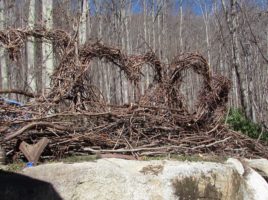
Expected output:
(76, 119)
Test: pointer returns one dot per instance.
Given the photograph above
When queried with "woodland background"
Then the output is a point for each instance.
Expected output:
(231, 34)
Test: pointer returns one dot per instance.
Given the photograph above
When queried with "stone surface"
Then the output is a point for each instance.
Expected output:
(137, 180)
(3, 167)
(258, 164)
(141, 180)
(253, 186)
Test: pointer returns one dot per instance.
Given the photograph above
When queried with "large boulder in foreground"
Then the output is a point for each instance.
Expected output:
(153, 180)
(122, 179)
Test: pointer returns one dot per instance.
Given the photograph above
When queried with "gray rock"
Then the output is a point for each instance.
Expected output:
(259, 165)
(3, 167)
(141, 180)
(253, 186)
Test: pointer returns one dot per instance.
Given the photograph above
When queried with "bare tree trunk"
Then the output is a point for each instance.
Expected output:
(30, 48)
(3, 65)
(231, 19)
(83, 22)
(145, 68)
(181, 24)
(124, 44)
(38, 56)
(206, 22)
(128, 86)
(153, 24)
(47, 48)
(159, 27)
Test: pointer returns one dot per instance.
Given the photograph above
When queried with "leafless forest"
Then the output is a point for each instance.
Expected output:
(231, 34)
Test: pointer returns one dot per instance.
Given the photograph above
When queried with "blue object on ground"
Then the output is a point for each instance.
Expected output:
(11, 102)
(29, 164)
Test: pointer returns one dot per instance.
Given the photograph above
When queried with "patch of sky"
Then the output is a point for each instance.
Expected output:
(195, 6)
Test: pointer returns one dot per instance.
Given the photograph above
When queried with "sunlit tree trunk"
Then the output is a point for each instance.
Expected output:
(203, 7)
(231, 19)
(3, 65)
(153, 24)
(30, 48)
(124, 45)
(145, 37)
(83, 22)
(180, 28)
(159, 27)
(47, 49)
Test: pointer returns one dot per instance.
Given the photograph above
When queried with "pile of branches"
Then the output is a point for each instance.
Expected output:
(76, 118)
